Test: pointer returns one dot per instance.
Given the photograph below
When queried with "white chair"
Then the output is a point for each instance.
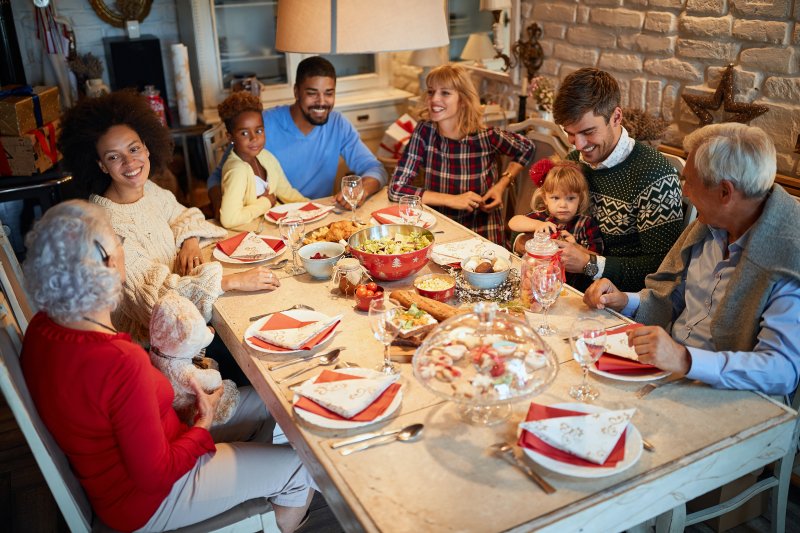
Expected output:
(250, 516)
(689, 211)
(214, 141)
(13, 286)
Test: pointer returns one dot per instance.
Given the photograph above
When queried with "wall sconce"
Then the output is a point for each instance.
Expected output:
(529, 52)
(497, 7)
(478, 48)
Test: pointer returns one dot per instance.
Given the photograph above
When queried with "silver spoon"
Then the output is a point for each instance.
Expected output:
(291, 362)
(279, 265)
(409, 434)
(374, 435)
(506, 452)
(326, 360)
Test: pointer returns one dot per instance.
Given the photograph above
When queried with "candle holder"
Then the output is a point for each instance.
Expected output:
(522, 109)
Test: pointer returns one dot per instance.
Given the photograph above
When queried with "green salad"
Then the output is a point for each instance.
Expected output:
(396, 244)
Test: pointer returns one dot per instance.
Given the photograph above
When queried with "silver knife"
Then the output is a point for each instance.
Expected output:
(291, 362)
(365, 436)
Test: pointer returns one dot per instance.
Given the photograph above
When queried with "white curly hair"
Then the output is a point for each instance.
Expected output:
(64, 271)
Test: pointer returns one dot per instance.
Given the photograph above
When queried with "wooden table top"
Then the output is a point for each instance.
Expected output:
(447, 481)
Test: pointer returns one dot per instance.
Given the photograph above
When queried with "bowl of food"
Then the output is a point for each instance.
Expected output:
(318, 258)
(392, 251)
(440, 287)
(366, 293)
(483, 272)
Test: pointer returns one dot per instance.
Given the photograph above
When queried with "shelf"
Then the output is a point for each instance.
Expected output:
(244, 4)
(249, 58)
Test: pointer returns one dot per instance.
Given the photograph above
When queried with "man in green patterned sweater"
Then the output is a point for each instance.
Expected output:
(635, 192)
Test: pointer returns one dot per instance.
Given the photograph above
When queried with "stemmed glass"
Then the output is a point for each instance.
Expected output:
(352, 192)
(411, 209)
(381, 313)
(546, 282)
(293, 230)
(588, 340)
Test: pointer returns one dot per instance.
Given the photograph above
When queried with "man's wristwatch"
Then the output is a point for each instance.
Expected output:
(591, 269)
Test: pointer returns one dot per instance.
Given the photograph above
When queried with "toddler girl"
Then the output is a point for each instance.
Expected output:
(252, 178)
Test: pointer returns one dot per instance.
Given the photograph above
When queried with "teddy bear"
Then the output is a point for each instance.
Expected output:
(178, 333)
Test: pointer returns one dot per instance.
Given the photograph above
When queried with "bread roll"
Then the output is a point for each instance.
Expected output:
(438, 310)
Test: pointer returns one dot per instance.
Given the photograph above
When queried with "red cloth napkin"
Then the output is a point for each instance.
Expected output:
(392, 210)
(228, 246)
(532, 442)
(620, 365)
(310, 206)
(375, 409)
(281, 321)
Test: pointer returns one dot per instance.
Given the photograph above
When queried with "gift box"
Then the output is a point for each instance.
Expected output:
(31, 153)
(24, 108)
(396, 137)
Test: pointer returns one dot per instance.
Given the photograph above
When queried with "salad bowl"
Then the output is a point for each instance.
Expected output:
(392, 251)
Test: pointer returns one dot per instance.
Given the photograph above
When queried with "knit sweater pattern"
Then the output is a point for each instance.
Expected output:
(637, 204)
(154, 228)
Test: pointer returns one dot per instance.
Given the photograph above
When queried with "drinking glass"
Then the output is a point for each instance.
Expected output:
(381, 313)
(411, 209)
(546, 285)
(588, 340)
(293, 230)
(352, 192)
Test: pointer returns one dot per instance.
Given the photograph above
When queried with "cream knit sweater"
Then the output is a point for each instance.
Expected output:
(154, 229)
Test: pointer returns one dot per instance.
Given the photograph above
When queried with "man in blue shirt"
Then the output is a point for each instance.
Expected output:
(724, 306)
(308, 138)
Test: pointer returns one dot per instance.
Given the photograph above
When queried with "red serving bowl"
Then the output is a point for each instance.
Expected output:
(390, 267)
(441, 295)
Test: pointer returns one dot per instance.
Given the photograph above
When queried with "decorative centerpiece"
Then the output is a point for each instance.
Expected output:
(542, 91)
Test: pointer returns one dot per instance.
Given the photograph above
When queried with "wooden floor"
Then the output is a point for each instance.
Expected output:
(26, 505)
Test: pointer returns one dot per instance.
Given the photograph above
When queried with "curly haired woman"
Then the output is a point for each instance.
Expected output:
(111, 143)
(252, 178)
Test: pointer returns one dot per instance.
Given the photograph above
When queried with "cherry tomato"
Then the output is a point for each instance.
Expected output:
(372, 286)
(361, 291)
(370, 293)
(378, 295)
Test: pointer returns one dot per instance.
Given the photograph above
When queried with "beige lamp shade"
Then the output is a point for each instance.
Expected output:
(427, 57)
(359, 26)
(494, 5)
(478, 48)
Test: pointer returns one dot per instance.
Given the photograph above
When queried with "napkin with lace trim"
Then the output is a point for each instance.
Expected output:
(347, 397)
(591, 436)
(295, 338)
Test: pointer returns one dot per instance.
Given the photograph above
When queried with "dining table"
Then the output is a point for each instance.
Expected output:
(448, 480)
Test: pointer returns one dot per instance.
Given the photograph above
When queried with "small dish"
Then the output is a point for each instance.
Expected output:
(363, 300)
(440, 287)
(320, 267)
(485, 280)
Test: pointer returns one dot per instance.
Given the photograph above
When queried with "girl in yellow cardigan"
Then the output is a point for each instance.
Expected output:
(252, 178)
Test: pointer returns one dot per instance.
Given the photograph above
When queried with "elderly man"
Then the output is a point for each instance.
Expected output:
(729, 289)
(308, 138)
(635, 192)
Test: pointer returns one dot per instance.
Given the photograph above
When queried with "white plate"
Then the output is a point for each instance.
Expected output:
(454, 252)
(324, 422)
(428, 220)
(633, 450)
(219, 255)
(299, 314)
(285, 208)
(630, 377)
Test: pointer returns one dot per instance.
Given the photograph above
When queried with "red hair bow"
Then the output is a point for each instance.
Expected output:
(538, 171)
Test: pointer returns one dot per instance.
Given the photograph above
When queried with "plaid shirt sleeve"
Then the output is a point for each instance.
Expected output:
(587, 234)
(410, 162)
(518, 147)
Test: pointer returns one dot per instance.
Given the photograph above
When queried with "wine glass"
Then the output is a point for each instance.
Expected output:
(546, 285)
(381, 313)
(411, 209)
(293, 230)
(588, 340)
(352, 192)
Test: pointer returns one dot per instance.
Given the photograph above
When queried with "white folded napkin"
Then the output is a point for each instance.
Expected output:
(306, 215)
(591, 436)
(617, 344)
(252, 247)
(295, 338)
(347, 397)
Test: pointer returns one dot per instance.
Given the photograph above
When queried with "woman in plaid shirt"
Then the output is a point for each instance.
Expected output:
(459, 156)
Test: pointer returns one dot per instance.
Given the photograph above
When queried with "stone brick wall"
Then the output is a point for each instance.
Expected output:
(659, 49)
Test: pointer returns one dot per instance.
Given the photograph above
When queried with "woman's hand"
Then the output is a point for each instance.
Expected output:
(493, 199)
(468, 201)
(189, 256)
(206, 404)
(256, 279)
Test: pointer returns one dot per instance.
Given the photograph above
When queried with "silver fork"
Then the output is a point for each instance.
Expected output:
(650, 387)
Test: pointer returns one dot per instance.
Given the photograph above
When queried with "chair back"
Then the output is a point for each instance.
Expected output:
(689, 211)
(52, 462)
(12, 284)
(214, 142)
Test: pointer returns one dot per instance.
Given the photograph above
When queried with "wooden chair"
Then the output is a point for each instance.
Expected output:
(250, 516)
(689, 211)
(215, 141)
(13, 286)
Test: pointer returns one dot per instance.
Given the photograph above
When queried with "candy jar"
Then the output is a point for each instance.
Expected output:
(156, 102)
(349, 274)
(541, 250)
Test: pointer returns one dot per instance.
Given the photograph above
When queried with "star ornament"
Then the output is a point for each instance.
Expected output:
(723, 96)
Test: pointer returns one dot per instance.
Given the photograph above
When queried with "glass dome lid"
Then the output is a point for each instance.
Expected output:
(485, 358)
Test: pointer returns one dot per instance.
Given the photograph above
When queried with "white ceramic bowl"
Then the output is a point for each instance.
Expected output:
(484, 280)
(320, 268)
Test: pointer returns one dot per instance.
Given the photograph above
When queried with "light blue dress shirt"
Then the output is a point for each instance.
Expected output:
(310, 162)
(773, 367)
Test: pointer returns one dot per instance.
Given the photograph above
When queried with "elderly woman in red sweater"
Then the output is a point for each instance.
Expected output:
(111, 411)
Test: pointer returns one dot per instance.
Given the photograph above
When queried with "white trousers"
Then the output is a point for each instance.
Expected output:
(236, 472)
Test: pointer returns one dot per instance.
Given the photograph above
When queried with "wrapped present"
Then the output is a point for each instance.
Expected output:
(396, 137)
(24, 108)
(31, 153)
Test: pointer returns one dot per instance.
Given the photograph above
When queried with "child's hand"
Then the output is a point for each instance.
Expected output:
(567, 236)
(547, 227)
(271, 197)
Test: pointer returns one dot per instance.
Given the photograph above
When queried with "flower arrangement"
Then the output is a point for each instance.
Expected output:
(542, 90)
(86, 67)
(643, 126)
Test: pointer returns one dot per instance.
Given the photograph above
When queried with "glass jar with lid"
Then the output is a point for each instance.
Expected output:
(349, 274)
(541, 250)
(485, 361)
